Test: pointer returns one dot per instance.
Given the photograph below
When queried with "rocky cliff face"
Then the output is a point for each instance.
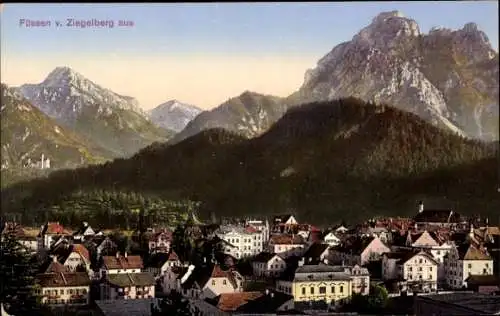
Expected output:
(449, 77)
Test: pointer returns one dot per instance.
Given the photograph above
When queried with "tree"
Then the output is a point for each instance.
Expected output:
(373, 303)
(174, 304)
(17, 277)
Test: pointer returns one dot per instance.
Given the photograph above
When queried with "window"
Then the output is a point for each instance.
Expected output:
(410, 269)
(469, 265)
(303, 291)
(419, 260)
(224, 282)
(430, 269)
(420, 269)
(341, 289)
(333, 289)
(322, 290)
(312, 290)
(485, 271)
(486, 265)
(213, 282)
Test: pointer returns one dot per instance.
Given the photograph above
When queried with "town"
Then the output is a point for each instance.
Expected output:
(437, 262)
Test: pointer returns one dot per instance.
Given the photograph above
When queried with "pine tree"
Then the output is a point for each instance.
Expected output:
(17, 277)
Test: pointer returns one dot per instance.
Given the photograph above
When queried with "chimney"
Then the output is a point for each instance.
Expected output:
(125, 254)
(85, 224)
(117, 254)
(272, 294)
(267, 291)
(54, 258)
(420, 207)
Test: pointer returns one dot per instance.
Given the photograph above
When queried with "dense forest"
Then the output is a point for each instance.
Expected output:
(343, 159)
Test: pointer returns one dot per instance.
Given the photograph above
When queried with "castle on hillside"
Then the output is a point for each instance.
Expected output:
(43, 163)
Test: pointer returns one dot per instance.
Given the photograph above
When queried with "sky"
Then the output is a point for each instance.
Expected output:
(202, 53)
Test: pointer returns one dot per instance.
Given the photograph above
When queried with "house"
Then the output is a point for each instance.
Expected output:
(331, 239)
(316, 253)
(209, 281)
(53, 266)
(287, 219)
(417, 268)
(241, 241)
(311, 284)
(64, 288)
(29, 242)
(359, 250)
(286, 245)
(341, 229)
(486, 284)
(117, 286)
(427, 218)
(437, 244)
(121, 264)
(74, 257)
(360, 279)
(267, 264)
(160, 262)
(49, 232)
(268, 302)
(466, 260)
(84, 232)
(260, 225)
(160, 241)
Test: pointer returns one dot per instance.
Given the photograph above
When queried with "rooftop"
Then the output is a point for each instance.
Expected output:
(480, 304)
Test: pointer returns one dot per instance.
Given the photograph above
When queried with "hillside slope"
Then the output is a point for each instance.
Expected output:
(27, 133)
(105, 118)
(343, 158)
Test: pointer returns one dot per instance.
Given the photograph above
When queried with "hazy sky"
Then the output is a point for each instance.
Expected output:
(203, 53)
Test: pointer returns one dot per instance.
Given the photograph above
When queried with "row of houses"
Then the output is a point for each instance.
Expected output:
(296, 265)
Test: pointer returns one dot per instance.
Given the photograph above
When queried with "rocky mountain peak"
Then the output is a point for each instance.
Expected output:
(63, 77)
(446, 76)
(385, 29)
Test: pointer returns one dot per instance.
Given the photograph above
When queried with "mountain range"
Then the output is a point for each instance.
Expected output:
(100, 116)
(328, 160)
(448, 77)
(27, 133)
(390, 117)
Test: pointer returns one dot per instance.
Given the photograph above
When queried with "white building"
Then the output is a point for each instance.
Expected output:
(464, 261)
(287, 245)
(48, 233)
(431, 242)
(331, 239)
(243, 242)
(209, 281)
(128, 286)
(262, 226)
(267, 264)
(418, 269)
(121, 264)
(64, 288)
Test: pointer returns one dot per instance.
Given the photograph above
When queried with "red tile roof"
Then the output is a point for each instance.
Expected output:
(287, 239)
(230, 302)
(82, 251)
(129, 262)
